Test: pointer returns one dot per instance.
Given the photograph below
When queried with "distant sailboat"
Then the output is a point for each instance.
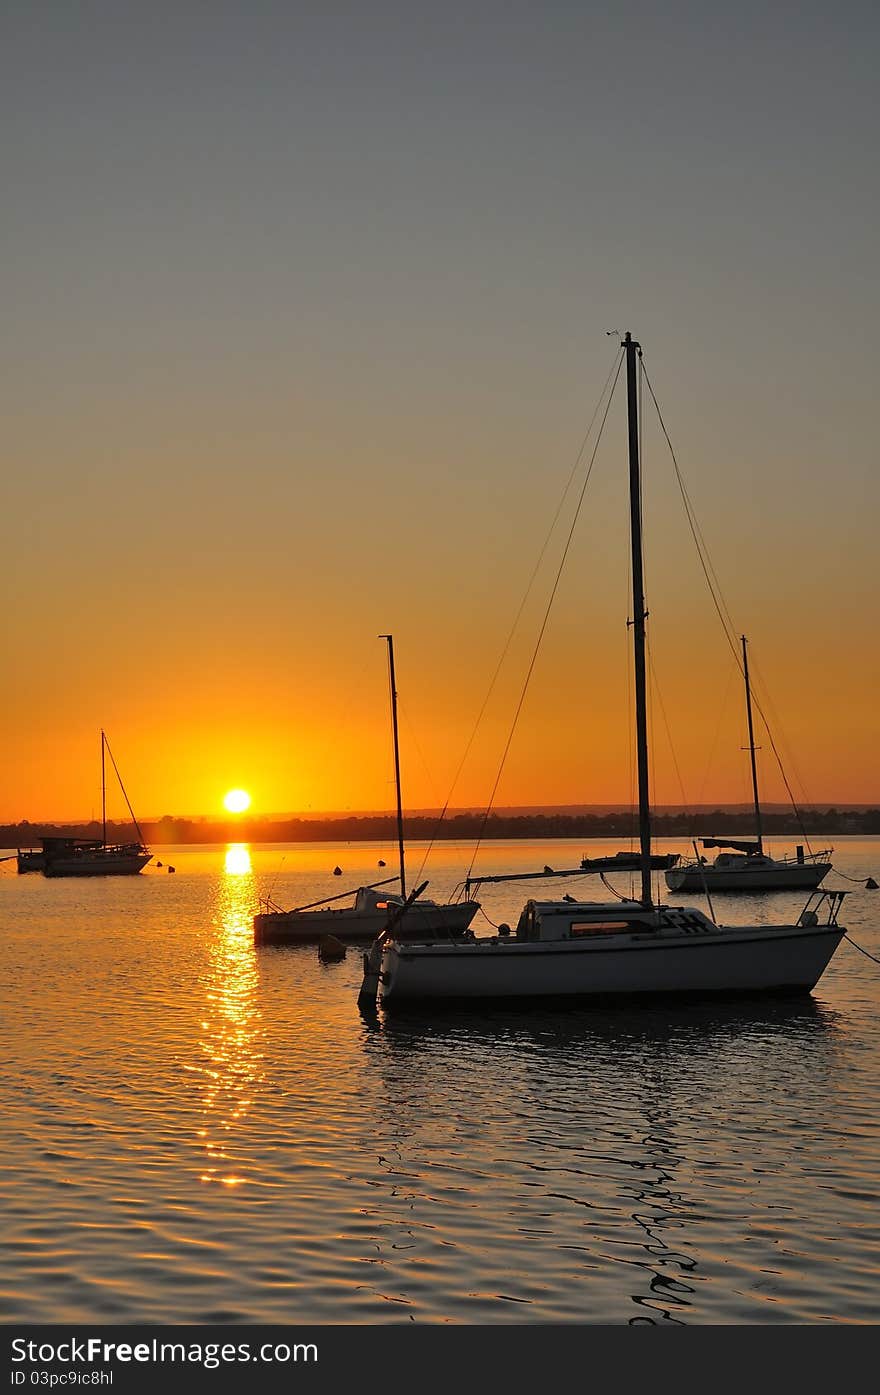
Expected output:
(373, 907)
(748, 867)
(95, 857)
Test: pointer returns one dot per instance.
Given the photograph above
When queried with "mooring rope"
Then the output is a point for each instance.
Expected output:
(859, 948)
(867, 882)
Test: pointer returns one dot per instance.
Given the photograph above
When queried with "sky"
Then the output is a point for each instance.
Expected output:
(305, 317)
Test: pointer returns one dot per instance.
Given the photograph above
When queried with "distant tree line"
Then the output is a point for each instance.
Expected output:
(456, 827)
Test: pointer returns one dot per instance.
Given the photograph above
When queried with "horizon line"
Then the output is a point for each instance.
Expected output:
(508, 810)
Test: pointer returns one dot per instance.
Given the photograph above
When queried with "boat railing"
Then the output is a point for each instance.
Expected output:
(270, 907)
(831, 901)
(806, 859)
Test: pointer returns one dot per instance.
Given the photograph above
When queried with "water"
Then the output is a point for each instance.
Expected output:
(196, 1131)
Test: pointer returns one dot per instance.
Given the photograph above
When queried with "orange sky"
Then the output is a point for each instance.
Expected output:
(302, 338)
(277, 682)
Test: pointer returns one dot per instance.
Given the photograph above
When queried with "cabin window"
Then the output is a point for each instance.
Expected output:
(604, 927)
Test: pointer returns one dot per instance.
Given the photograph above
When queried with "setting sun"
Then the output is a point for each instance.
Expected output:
(236, 801)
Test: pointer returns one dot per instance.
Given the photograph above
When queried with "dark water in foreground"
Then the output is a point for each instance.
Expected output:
(195, 1131)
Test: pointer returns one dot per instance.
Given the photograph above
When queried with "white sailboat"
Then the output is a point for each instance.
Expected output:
(599, 950)
(747, 867)
(373, 908)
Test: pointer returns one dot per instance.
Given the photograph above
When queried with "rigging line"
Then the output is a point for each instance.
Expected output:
(122, 787)
(613, 373)
(546, 618)
(720, 603)
(411, 733)
(773, 747)
(721, 714)
(277, 874)
(778, 756)
(756, 668)
(702, 551)
(652, 748)
(655, 688)
(699, 539)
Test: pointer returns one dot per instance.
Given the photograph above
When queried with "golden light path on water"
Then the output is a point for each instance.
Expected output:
(232, 1065)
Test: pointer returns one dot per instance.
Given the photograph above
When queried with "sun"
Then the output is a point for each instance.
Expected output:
(236, 801)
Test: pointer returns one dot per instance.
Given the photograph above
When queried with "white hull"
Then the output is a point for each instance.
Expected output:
(108, 864)
(792, 876)
(305, 927)
(740, 959)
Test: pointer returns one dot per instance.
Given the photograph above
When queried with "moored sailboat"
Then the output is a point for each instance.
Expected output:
(588, 949)
(747, 866)
(372, 909)
(95, 857)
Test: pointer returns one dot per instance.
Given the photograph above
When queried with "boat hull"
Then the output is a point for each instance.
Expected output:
(122, 865)
(797, 876)
(735, 960)
(351, 925)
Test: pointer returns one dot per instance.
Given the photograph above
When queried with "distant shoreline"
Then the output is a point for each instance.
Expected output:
(381, 828)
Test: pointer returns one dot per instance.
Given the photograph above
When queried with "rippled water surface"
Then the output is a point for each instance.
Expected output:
(197, 1131)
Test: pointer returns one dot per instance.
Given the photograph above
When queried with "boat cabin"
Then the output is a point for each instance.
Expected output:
(54, 846)
(742, 860)
(552, 920)
(367, 898)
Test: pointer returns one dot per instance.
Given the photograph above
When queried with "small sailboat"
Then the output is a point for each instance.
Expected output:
(625, 948)
(746, 866)
(95, 857)
(373, 907)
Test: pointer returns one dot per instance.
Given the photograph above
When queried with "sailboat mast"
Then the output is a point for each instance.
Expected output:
(396, 762)
(103, 794)
(752, 745)
(631, 349)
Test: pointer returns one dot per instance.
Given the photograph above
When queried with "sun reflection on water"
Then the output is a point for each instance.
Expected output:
(232, 1061)
(237, 862)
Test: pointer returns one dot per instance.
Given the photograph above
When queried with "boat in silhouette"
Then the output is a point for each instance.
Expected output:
(746, 866)
(373, 908)
(95, 857)
(620, 949)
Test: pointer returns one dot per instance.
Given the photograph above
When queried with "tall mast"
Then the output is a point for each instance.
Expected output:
(396, 762)
(103, 794)
(752, 745)
(631, 349)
